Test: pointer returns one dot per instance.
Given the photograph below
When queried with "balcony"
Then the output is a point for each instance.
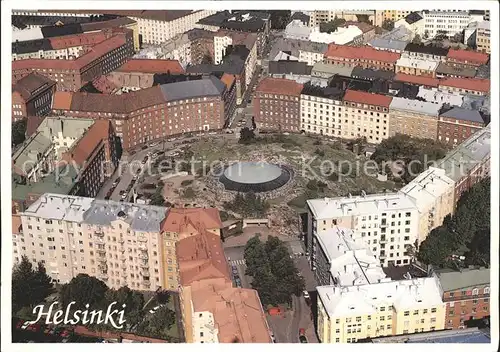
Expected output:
(101, 258)
(100, 250)
(142, 238)
(143, 248)
(103, 276)
(99, 233)
(102, 267)
(146, 283)
(121, 240)
(383, 240)
(124, 275)
(98, 240)
(143, 256)
(144, 265)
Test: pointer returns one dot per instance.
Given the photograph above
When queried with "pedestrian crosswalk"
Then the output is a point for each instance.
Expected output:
(238, 262)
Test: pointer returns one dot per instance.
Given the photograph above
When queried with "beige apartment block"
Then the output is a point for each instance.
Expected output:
(321, 113)
(433, 192)
(117, 242)
(348, 314)
(414, 118)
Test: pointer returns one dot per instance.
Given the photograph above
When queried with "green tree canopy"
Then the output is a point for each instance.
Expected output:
(388, 24)
(19, 131)
(83, 289)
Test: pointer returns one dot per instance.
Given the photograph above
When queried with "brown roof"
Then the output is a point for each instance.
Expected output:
(367, 98)
(159, 15)
(116, 22)
(151, 66)
(62, 100)
(121, 104)
(30, 84)
(475, 84)
(239, 38)
(363, 26)
(82, 39)
(201, 257)
(228, 80)
(421, 80)
(279, 86)
(32, 124)
(91, 55)
(238, 313)
(361, 53)
(16, 224)
(85, 146)
(466, 56)
(201, 218)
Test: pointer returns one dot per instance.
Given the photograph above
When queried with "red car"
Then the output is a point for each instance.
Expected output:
(34, 327)
(302, 332)
(64, 333)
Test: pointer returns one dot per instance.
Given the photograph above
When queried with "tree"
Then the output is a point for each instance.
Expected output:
(466, 232)
(426, 34)
(246, 136)
(457, 37)
(83, 289)
(19, 131)
(29, 286)
(207, 59)
(417, 39)
(157, 198)
(388, 24)
(280, 18)
(441, 35)
(274, 274)
(133, 300)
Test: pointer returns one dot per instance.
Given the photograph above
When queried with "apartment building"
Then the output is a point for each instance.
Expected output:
(447, 22)
(139, 73)
(457, 124)
(321, 16)
(466, 58)
(117, 242)
(459, 85)
(446, 70)
(413, 21)
(150, 114)
(71, 75)
(395, 15)
(202, 45)
(364, 56)
(240, 21)
(340, 260)
(416, 66)
(366, 115)
(277, 105)
(297, 29)
(389, 221)
(322, 70)
(351, 35)
(321, 110)
(87, 27)
(67, 47)
(414, 118)
(433, 194)
(348, 314)
(65, 156)
(212, 310)
(435, 96)
(311, 52)
(483, 37)
(230, 42)
(469, 162)
(32, 96)
(16, 241)
(466, 294)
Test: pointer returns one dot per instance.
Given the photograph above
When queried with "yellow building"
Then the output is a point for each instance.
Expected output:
(483, 37)
(415, 118)
(395, 15)
(348, 314)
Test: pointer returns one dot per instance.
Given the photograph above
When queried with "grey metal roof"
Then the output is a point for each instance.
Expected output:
(389, 44)
(458, 71)
(283, 67)
(468, 278)
(369, 74)
(463, 114)
(144, 218)
(320, 68)
(211, 86)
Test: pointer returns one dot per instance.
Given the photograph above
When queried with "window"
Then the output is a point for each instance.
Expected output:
(475, 291)
(407, 313)
(486, 290)
(433, 310)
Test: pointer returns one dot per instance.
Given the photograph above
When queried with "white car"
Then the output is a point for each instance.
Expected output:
(306, 294)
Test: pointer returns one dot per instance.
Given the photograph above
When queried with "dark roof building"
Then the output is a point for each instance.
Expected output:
(31, 46)
(289, 67)
(251, 21)
(463, 114)
(444, 69)
(211, 86)
(323, 92)
(426, 49)
(302, 17)
(413, 17)
(370, 74)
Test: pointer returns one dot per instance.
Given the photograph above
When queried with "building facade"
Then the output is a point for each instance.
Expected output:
(367, 115)
(364, 56)
(32, 96)
(466, 294)
(414, 118)
(457, 125)
(321, 111)
(446, 22)
(277, 105)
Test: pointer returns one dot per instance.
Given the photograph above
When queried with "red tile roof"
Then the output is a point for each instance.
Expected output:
(62, 101)
(279, 86)
(91, 55)
(466, 56)
(201, 218)
(228, 80)
(367, 98)
(151, 66)
(68, 41)
(201, 257)
(83, 149)
(361, 53)
(421, 80)
(475, 84)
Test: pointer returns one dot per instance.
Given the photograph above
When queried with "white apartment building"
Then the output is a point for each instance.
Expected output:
(119, 243)
(388, 221)
(297, 30)
(477, 34)
(439, 97)
(343, 35)
(61, 54)
(311, 57)
(450, 22)
(178, 48)
(341, 260)
(348, 314)
(321, 114)
(416, 66)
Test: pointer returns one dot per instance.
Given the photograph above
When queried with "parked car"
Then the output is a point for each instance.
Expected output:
(306, 294)
(303, 339)
(237, 281)
(302, 332)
